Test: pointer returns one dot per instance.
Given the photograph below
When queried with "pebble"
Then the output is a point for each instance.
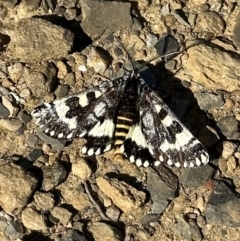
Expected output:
(21, 183)
(72, 235)
(102, 231)
(81, 169)
(228, 149)
(195, 177)
(220, 207)
(228, 126)
(10, 124)
(4, 112)
(210, 21)
(97, 60)
(55, 143)
(15, 71)
(62, 69)
(44, 41)
(24, 117)
(34, 155)
(113, 213)
(73, 195)
(52, 176)
(15, 230)
(161, 194)
(70, 13)
(67, 3)
(45, 201)
(211, 77)
(70, 79)
(62, 91)
(123, 195)
(62, 214)
(33, 220)
(236, 37)
(109, 16)
(207, 101)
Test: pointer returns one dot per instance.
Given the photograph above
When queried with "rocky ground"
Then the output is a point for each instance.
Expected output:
(50, 49)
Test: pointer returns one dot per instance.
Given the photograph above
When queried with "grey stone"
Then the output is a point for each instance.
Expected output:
(52, 176)
(24, 117)
(159, 191)
(70, 79)
(15, 230)
(32, 141)
(4, 112)
(105, 17)
(55, 143)
(40, 39)
(207, 101)
(236, 32)
(73, 235)
(3, 224)
(222, 206)
(196, 176)
(62, 91)
(228, 126)
(34, 155)
(148, 219)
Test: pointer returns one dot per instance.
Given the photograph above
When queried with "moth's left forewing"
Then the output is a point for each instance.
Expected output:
(169, 140)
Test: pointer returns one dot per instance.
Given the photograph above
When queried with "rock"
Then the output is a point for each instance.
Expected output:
(181, 228)
(70, 79)
(207, 73)
(67, 3)
(40, 39)
(228, 126)
(207, 101)
(34, 155)
(122, 194)
(52, 176)
(72, 195)
(4, 112)
(55, 143)
(220, 209)
(14, 230)
(72, 235)
(105, 17)
(16, 186)
(3, 224)
(62, 91)
(30, 5)
(70, 13)
(62, 214)
(10, 124)
(9, 3)
(45, 201)
(81, 169)
(228, 149)
(24, 117)
(37, 83)
(160, 193)
(211, 22)
(196, 176)
(113, 213)
(97, 60)
(102, 231)
(236, 31)
(15, 71)
(33, 220)
(62, 69)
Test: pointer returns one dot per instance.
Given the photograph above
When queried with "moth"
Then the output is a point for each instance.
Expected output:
(125, 114)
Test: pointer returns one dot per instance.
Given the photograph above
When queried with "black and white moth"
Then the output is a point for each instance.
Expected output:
(125, 114)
